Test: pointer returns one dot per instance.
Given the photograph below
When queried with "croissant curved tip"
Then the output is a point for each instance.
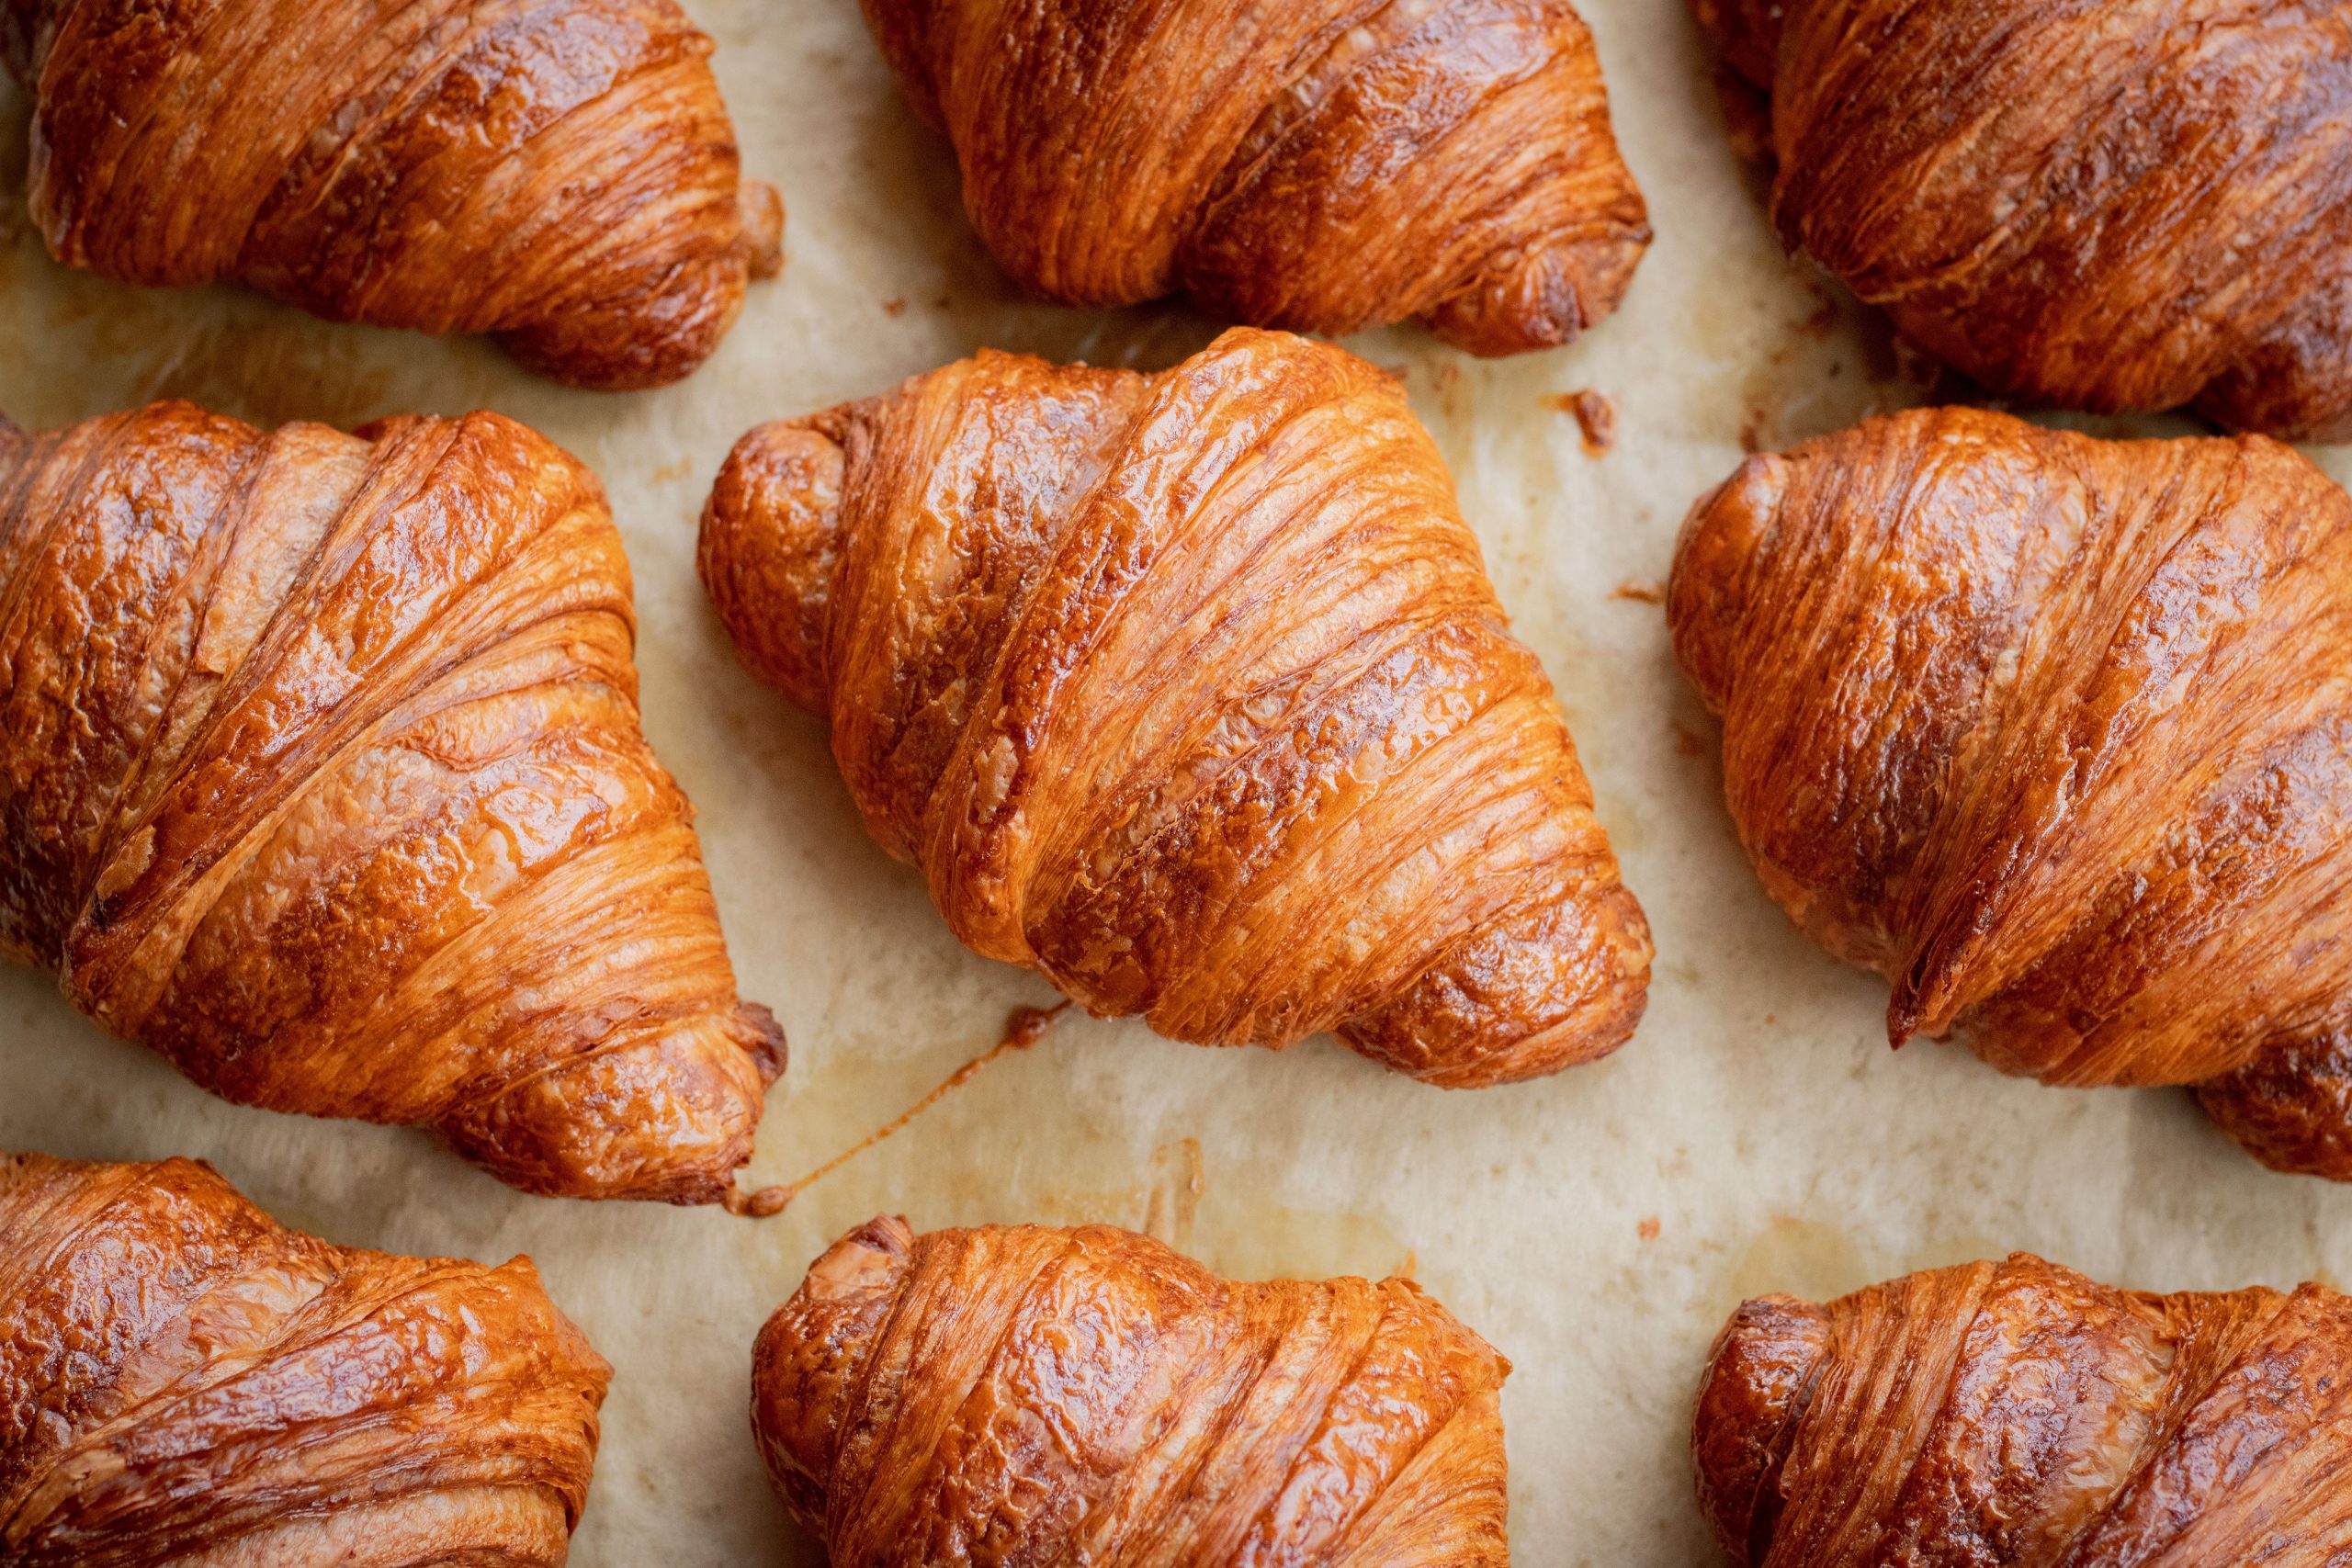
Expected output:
(1706, 590)
(1760, 1377)
(2290, 1107)
(758, 1204)
(760, 208)
(1545, 297)
(762, 1039)
(770, 533)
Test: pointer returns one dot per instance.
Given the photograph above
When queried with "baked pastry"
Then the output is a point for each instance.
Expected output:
(2133, 205)
(1188, 691)
(2050, 731)
(1319, 165)
(2017, 1415)
(1019, 1393)
(319, 772)
(185, 1383)
(561, 174)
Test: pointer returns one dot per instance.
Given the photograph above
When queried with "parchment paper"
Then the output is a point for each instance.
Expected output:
(1597, 1226)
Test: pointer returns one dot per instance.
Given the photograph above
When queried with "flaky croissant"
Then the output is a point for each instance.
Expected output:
(1017, 1394)
(184, 1382)
(2052, 731)
(1317, 165)
(561, 173)
(1188, 691)
(2130, 205)
(2016, 1415)
(321, 773)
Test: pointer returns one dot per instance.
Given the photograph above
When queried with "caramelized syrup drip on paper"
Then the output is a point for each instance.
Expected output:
(1025, 1029)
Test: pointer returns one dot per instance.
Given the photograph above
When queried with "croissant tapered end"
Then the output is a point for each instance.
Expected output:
(185, 1382)
(2019, 1414)
(1337, 167)
(1706, 596)
(1760, 1378)
(2049, 731)
(1547, 296)
(2191, 244)
(669, 1120)
(2291, 1106)
(1045, 1394)
(771, 539)
(327, 782)
(1188, 691)
(563, 176)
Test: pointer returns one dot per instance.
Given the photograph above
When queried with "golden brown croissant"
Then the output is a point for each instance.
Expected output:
(2128, 205)
(2052, 731)
(1317, 165)
(1188, 691)
(184, 1382)
(319, 772)
(2017, 1415)
(559, 173)
(1017, 1394)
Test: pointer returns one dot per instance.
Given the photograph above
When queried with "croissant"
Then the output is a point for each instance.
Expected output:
(2051, 731)
(1188, 691)
(1317, 165)
(2017, 1415)
(2130, 205)
(184, 1382)
(319, 772)
(1017, 1394)
(561, 173)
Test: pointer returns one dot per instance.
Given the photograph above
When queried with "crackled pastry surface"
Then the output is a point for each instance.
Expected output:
(321, 773)
(1317, 165)
(1022, 1394)
(2098, 204)
(2017, 1415)
(2053, 732)
(559, 173)
(183, 1381)
(1188, 691)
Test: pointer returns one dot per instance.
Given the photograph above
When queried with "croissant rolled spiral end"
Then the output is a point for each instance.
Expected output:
(770, 536)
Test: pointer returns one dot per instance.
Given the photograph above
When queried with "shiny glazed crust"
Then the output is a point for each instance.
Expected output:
(321, 773)
(2094, 204)
(2016, 1415)
(2052, 731)
(559, 173)
(1019, 1393)
(1321, 165)
(185, 1383)
(1188, 691)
